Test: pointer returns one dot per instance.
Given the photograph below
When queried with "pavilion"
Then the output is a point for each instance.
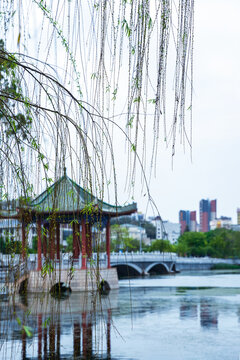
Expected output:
(65, 202)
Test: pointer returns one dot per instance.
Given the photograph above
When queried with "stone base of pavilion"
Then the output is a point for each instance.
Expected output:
(79, 280)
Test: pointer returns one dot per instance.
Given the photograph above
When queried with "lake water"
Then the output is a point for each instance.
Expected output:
(183, 316)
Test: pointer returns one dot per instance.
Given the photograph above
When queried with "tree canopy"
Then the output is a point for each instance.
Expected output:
(219, 243)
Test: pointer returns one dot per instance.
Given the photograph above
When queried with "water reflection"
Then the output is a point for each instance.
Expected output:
(77, 327)
(140, 322)
(208, 314)
(49, 338)
(188, 310)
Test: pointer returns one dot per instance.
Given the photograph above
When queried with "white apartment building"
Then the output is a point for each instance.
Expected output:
(222, 222)
(167, 230)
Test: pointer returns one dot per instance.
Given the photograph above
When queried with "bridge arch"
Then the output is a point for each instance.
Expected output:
(173, 267)
(157, 268)
(128, 270)
(23, 285)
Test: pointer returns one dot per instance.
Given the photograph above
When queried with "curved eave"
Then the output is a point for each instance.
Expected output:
(83, 198)
(80, 212)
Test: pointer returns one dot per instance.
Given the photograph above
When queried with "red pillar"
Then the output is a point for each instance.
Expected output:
(58, 240)
(39, 244)
(24, 341)
(84, 334)
(108, 243)
(109, 334)
(58, 339)
(89, 240)
(52, 241)
(75, 241)
(84, 262)
(51, 341)
(39, 336)
(76, 339)
(45, 342)
(45, 236)
(89, 338)
(78, 238)
(23, 240)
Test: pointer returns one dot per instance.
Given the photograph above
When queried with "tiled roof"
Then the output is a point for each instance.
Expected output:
(67, 196)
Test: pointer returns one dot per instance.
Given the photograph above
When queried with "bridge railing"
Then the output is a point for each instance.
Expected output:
(155, 256)
(11, 263)
(67, 261)
(205, 260)
(6, 261)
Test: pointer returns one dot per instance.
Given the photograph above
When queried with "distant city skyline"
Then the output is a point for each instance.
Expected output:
(192, 218)
(213, 171)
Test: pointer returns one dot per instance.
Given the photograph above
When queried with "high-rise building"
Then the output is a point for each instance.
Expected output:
(208, 212)
(193, 221)
(204, 215)
(238, 216)
(213, 209)
(187, 220)
(184, 220)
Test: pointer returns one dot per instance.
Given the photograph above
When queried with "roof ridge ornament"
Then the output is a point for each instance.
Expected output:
(64, 171)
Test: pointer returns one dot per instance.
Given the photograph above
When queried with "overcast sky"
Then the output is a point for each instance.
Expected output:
(214, 172)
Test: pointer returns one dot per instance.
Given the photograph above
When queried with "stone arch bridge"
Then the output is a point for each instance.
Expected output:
(134, 264)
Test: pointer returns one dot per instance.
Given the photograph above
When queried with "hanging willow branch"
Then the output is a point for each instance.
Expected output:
(114, 56)
(80, 78)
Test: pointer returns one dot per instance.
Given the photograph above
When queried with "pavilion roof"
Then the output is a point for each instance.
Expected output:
(66, 196)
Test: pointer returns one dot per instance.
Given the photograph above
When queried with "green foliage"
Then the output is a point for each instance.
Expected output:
(161, 245)
(121, 240)
(16, 124)
(12, 247)
(46, 322)
(126, 27)
(131, 244)
(47, 268)
(2, 245)
(133, 147)
(219, 243)
(225, 267)
(9, 244)
(34, 245)
(27, 329)
(192, 244)
(69, 247)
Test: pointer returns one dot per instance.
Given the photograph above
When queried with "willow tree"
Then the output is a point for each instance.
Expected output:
(91, 72)
(92, 79)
